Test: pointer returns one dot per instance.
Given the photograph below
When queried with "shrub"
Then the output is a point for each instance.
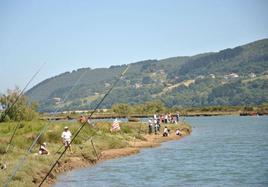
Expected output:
(126, 129)
(2, 149)
(21, 110)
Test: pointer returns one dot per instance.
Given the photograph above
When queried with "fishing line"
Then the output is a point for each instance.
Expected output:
(20, 94)
(83, 124)
(12, 105)
(3, 163)
(23, 158)
(87, 134)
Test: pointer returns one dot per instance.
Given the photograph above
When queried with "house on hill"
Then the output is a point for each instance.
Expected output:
(56, 100)
(252, 75)
(231, 76)
(212, 76)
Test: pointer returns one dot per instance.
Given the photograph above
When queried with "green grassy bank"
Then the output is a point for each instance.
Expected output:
(35, 166)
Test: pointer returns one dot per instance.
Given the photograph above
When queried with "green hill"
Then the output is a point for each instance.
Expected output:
(235, 76)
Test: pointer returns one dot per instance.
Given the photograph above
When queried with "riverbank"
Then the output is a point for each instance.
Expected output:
(185, 112)
(132, 137)
(134, 147)
(218, 146)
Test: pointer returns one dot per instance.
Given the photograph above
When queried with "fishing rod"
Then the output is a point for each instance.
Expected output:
(20, 94)
(83, 124)
(3, 164)
(2, 118)
(58, 150)
(29, 150)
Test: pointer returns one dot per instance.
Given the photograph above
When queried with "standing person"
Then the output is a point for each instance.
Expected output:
(150, 125)
(174, 119)
(155, 128)
(169, 118)
(177, 116)
(162, 118)
(158, 125)
(66, 138)
(166, 118)
(155, 116)
(155, 125)
(115, 126)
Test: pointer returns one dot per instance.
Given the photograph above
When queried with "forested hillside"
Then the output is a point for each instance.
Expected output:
(237, 76)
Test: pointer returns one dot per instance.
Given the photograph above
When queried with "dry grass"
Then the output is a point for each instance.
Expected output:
(35, 166)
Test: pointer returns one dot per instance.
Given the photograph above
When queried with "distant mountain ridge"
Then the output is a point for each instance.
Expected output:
(237, 76)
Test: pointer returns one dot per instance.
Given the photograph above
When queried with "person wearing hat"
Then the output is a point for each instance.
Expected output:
(66, 138)
(43, 149)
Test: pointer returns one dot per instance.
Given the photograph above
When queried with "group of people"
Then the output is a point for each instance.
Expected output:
(154, 124)
(169, 118)
(66, 140)
(67, 135)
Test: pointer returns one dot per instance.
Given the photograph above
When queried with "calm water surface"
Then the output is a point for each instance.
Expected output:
(222, 151)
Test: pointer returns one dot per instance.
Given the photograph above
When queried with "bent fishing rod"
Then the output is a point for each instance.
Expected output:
(84, 123)
(58, 150)
(23, 158)
(2, 118)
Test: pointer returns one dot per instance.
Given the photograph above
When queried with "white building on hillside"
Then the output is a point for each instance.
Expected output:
(252, 75)
(231, 76)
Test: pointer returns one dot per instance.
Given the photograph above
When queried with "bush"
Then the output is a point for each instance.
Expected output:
(2, 149)
(53, 136)
(126, 129)
(17, 108)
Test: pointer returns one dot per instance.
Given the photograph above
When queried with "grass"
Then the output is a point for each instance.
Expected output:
(35, 166)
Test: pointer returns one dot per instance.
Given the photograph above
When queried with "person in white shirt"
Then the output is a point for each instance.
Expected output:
(66, 138)
(150, 125)
(178, 132)
(43, 149)
(166, 132)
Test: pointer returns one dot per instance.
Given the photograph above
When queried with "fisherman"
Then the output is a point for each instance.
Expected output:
(158, 125)
(150, 125)
(66, 138)
(115, 126)
(166, 118)
(82, 119)
(155, 128)
(43, 149)
(178, 116)
(166, 131)
(174, 119)
(178, 132)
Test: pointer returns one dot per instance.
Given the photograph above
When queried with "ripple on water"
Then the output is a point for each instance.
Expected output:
(222, 151)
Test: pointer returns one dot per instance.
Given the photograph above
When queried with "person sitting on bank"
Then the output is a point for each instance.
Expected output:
(66, 138)
(178, 132)
(82, 119)
(166, 131)
(43, 149)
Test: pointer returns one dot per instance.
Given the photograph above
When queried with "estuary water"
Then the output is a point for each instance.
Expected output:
(221, 151)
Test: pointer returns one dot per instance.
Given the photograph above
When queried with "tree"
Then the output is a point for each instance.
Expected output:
(21, 110)
(155, 106)
(121, 109)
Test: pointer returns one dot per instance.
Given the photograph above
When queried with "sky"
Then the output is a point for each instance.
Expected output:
(70, 34)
